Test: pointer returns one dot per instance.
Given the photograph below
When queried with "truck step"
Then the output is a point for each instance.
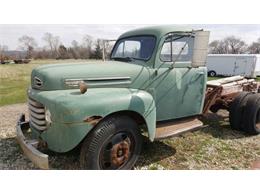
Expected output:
(174, 128)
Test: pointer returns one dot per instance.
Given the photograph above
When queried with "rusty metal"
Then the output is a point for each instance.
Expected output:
(212, 94)
(29, 146)
(220, 93)
(22, 61)
(176, 127)
(93, 120)
(83, 87)
(120, 153)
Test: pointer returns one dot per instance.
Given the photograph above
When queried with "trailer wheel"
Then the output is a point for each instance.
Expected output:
(236, 110)
(212, 73)
(251, 115)
(115, 143)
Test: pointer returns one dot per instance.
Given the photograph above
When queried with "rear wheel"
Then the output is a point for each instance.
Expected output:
(212, 73)
(251, 115)
(114, 144)
(236, 110)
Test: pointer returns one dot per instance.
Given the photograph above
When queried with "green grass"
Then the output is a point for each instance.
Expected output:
(213, 147)
(15, 79)
(213, 78)
(257, 78)
(13, 91)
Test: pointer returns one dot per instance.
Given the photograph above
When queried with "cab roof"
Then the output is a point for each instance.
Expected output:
(157, 31)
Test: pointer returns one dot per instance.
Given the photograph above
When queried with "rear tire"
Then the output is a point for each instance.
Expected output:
(115, 143)
(236, 110)
(251, 115)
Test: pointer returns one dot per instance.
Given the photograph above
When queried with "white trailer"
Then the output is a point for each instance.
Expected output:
(247, 65)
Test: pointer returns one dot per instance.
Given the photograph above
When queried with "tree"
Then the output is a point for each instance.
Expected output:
(98, 53)
(228, 45)
(87, 41)
(86, 47)
(254, 48)
(109, 44)
(75, 44)
(3, 48)
(27, 43)
(217, 47)
(63, 53)
(235, 45)
(75, 50)
(53, 43)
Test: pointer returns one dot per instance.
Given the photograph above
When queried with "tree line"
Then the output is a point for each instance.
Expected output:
(234, 45)
(88, 48)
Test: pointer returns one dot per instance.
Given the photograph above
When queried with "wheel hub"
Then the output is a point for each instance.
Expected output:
(116, 151)
(120, 153)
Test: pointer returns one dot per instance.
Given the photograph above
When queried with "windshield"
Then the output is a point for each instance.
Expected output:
(138, 47)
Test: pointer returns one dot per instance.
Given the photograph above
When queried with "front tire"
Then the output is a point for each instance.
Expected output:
(115, 143)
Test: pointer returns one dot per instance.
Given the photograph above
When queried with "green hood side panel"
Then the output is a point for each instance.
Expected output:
(95, 74)
(69, 109)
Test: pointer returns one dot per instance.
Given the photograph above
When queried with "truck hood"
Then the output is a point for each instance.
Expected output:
(95, 74)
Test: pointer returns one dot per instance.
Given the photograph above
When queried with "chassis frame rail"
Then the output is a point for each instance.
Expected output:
(221, 92)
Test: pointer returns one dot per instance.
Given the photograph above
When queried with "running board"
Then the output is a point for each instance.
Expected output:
(173, 128)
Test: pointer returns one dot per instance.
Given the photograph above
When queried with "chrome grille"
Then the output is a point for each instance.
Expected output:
(37, 115)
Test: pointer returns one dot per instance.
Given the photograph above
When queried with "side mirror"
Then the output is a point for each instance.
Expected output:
(200, 50)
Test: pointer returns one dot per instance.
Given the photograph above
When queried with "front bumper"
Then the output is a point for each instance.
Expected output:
(29, 147)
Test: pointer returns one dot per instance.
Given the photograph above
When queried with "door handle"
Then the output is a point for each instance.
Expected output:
(201, 73)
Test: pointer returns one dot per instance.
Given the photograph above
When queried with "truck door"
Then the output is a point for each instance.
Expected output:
(179, 91)
(240, 66)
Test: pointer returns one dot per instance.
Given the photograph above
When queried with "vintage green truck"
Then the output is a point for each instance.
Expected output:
(154, 85)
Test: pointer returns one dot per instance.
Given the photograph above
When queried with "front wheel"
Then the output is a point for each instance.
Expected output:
(115, 143)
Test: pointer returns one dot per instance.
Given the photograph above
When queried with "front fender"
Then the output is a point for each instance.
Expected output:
(70, 109)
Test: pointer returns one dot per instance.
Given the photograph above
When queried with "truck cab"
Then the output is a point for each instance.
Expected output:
(153, 85)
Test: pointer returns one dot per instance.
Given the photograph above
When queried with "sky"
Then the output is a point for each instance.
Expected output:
(10, 33)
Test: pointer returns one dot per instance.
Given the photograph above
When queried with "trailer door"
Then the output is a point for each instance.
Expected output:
(240, 66)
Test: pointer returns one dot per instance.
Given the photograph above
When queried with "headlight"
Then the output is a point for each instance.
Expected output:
(48, 117)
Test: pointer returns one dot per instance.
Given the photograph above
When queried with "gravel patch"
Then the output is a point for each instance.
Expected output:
(11, 156)
(10, 153)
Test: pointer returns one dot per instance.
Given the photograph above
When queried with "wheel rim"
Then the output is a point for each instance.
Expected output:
(212, 74)
(117, 151)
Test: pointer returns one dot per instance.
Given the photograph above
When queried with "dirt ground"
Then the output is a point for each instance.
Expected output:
(214, 147)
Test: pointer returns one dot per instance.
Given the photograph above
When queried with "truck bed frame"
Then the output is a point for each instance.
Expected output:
(220, 93)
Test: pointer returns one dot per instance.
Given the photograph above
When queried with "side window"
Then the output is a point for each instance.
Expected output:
(166, 52)
(177, 48)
